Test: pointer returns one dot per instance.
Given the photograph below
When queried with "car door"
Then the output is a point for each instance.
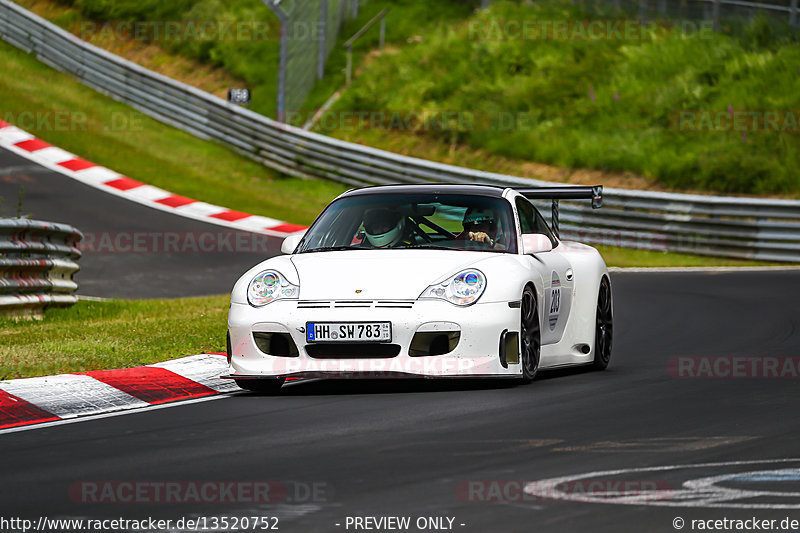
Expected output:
(556, 273)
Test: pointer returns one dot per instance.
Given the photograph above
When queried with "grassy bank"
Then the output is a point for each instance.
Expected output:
(247, 55)
(632, 104)
(615, 256)
(113, 334)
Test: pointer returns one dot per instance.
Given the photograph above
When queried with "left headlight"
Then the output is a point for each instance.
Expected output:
(269, 286)
(462, 289)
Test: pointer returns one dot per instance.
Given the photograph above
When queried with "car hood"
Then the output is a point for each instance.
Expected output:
(378, 274)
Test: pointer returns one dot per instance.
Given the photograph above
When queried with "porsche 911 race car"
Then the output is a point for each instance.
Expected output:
(424, 281)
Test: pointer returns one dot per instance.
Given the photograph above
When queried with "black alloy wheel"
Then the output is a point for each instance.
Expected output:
(604, 326)
(530, 336)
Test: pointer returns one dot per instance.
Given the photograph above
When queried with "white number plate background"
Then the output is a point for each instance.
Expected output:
(348, 331)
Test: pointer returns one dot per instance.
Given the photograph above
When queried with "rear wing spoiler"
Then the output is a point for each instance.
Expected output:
(595, 194)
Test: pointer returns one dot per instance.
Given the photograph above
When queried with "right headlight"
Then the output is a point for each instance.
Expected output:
(462, 289)
(269, 286)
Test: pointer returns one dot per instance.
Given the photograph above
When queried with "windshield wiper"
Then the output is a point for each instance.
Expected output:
(331, 249)
(427, 246)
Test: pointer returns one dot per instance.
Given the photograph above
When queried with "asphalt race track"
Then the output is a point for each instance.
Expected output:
(704, 371)
(117, 265)
(442, 449)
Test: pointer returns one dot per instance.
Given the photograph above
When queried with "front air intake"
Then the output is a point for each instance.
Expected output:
(276, 344)
(433, 343)
(352, 350)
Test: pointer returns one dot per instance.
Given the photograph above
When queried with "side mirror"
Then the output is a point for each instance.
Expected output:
(536, 243)
(290, 243)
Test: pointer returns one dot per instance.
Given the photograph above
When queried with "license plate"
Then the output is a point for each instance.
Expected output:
(348, 331)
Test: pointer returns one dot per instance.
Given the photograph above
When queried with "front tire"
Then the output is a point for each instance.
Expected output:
(529, 336)
(262, 386)
(604, 328)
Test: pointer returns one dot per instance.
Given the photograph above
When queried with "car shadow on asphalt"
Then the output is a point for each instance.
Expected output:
(333, 387)
(325, 387)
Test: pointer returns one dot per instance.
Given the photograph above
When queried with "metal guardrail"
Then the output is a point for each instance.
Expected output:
(37, 262)
(749, 228)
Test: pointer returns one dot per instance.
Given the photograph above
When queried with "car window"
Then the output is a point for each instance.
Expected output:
(420, 220)
(531, 221)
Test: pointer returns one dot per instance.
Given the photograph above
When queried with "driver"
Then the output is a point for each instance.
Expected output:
(480, 225)
(383, 227)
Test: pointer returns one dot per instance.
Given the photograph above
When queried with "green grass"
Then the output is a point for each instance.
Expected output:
(626, 257)
(607, 105)
(113, 334)
(113, 135)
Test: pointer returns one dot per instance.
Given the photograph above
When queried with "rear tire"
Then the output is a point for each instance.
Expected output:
(262, 386)
(604, 328)
(529, 336)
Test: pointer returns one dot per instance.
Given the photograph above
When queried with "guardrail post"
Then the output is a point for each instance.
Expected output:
(282, 65)
(793, 14)
(662, 8)
(342, 14)
(349, 64)
(283, 60)
(348, 45)
(715, 14)
(322, 36)
(383, 29)
(642, 10)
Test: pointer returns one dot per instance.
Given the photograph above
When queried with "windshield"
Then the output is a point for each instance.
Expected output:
(392, 221)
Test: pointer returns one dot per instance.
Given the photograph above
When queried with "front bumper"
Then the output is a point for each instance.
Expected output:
(476, 355)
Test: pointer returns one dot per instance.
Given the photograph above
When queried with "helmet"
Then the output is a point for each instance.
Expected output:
(383, 227)
(479, 217)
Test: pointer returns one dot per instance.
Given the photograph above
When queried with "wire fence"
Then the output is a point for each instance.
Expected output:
(309, 31)
(718, 12)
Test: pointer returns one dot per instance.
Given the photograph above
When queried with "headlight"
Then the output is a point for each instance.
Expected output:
(462, 289)
(269, 286)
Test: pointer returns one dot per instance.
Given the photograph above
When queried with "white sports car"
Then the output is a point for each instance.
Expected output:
(424, 281)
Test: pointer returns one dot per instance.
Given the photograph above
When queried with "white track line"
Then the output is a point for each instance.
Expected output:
(709, 270)
(178, 403)
(58, 160)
